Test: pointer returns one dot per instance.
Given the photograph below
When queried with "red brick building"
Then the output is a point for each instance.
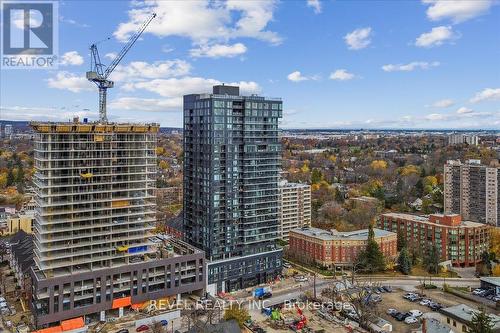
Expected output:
(334, 248)
(462, 242)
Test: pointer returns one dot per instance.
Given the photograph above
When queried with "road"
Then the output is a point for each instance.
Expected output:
(409, 283)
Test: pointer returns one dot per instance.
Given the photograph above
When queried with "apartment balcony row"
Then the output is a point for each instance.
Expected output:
(91, 141)
(47, 176)
(46, 263)
(46, 226)
(46, 184)
(106, 215)
(136, 187)
(99, 155)
(113, 245)
(74, 210)
(48, 235)
(116, 201)
(93, 166)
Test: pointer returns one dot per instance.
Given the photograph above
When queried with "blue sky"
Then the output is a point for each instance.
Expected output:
(336, 64)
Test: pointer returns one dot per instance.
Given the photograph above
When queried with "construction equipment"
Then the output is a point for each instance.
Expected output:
(99, 76)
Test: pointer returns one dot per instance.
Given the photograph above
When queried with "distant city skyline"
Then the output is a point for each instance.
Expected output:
(428, 64)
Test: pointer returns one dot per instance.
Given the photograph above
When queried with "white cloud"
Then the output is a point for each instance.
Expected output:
(443, 103)
(488, 94)
(111, 55)
(71, 58)
(359, 38)
(37, 113)
(437, 36)
(146, 104)
(297, 77)
(409, 67)
(464, 110)
(73, 22)
(203, 21)
(341, 75)
(456, 10)
(435, 116)
(143, 70)
(176, 87)
(69, 81)
(219, 50)
(314, 4)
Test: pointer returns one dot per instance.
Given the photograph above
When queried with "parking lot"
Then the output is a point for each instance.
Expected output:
(396, 301)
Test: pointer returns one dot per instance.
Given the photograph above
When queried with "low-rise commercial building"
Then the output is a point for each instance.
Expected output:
(461, 242)
(21, 261)
(334, 248)
(17, 222)
(460, 316)
(295, 207)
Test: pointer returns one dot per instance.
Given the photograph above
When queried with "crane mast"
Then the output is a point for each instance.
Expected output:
(99, 75)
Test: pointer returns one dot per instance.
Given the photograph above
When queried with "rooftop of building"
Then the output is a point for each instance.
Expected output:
(339, 235)
(164, 245)
(286, 184)
(491, 280)
(232, 92)
(435, 326)
(437, 219)
(77, 126)
(465, 314)
(474, 162)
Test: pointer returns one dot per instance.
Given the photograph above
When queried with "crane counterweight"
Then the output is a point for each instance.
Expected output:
(99, 76)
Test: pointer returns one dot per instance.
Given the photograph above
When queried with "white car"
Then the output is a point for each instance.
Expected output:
(477, 291)
(347, 307)
(301, 279)
(410, 320)
(2, 299)
(415, 313)
(425, 302)
(390, 312)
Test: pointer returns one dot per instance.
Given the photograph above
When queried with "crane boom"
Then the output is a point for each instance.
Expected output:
(99, 76)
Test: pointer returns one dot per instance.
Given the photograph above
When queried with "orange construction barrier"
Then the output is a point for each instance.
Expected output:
(72, 324)
(121, 302)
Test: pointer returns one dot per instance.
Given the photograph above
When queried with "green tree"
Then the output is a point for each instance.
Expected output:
(371, 259)
(485, 257)
(480, 323)
(402, 243)
(10, 177)
(431, 260)
(316, 176)
(404, 263)
(238, 313)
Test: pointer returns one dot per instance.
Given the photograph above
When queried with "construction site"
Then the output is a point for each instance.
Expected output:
(94, 250)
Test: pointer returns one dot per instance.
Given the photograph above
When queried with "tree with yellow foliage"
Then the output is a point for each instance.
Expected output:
(378, 165)
(495, 242)
(409, 170)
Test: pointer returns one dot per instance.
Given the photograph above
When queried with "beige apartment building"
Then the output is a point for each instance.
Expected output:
(471, 190)
(295, 207)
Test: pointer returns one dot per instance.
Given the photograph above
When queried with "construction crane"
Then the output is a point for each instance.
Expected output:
(99, 75)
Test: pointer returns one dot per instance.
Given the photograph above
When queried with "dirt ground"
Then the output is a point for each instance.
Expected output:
(396, 301)
(12, 299)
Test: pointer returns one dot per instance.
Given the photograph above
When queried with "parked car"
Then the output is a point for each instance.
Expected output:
(477, 291)
(425, 302)
(286, 265)
(301, 279)
(391, 311)
(410, 320)
(415, 313)
(266, 295)
(123, 330)
(387, 288)
(142, 328)
(496, 298)
(400, 316)
(164, 322)
(435, 306)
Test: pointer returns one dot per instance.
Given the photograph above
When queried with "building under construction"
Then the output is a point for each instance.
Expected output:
(94, 251)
